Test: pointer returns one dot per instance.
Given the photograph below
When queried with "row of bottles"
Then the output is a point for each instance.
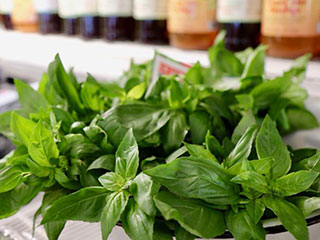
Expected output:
(289, 27)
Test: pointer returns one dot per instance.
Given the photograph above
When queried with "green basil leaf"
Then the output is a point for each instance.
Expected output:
(252, 180)
(194, 74)
(10, 177)
(182, 234)
(36, 169)
(112, 181)
(46, 89)
(306, 205)
(294, 183)
(298, 68)
(263, 165)
(13, 200)
(42, 146)
(181, 176)
(290, 216)
(127, 156)
(83, 205)
(65, 181)
(145, 190)
(106, 162)
(22, 128)
(255, 63)
(213, 145)
(270, 144)
(243, 148)
(64, 117)
(5, 129)
(54, 229)
(136, 223)
(174, 132)
(243, 227)
(191, 215)
(246, 121)
(301, 119)
(161, 231)
(199, 125)
(200, 152)
(115, 205)
(138, 91)
(255, 209)
(90, 94)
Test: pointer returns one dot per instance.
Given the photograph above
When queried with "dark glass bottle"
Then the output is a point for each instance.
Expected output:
(151, 21)
(48, 18)
(90, 22)
(5, 13)
(69, 16)
(117, 21)
(242, 22)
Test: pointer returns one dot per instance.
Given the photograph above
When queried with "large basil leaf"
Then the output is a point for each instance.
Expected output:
(22, 128)
(83, 205)
(143, 193)
(10, 177)
(106, 162)
(252, 180)
(116, 203)
(246, 121)
(301, 119)
(12, 201)
(307, 205)
(90, 94)
(270, 144)
(182, 234)
(112, 181)
(144, 119)
(127, 157)
(243, 227)
(136, 223)
(200, 152)
(255, 209)
(255, 63)
(197, 178)
(290, 216)
(199, 125)
(294, 183)
(46, 89)
(197, 219)
(42, 146)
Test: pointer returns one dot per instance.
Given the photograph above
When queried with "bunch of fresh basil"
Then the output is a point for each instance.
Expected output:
(190, 156)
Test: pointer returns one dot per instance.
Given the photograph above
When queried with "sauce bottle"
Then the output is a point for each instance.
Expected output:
(151, 21)
(89, 20)
(289, 27)
(192, 23)
(241, 20)
(69, 16)
(24, 16)
(117, 20)
(5, 13)
(48, 18)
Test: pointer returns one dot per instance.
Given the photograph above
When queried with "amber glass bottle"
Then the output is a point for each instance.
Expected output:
(241, 20)
(5, 13)
(289, 28)
(69, 16)
(151, 21)
(117, 20)
(90, 24)
(192, 23)
(24, 16)
(48, 18)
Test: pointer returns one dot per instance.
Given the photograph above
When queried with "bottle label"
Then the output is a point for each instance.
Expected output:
(150, 9)
(121, 8)
(68, 8)
(192, 16)
(6, 6)
(87, 7)
(290, 18)
(46, 6)
(245, 11)
(23, 12)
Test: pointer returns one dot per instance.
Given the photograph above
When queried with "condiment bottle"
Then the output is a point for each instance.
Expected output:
(48, 18)
(69, 15)
(290, 28)
(90, 26)
(242, 20)
(117, 20)
(24, 16)
(192, 23)
(151, 21)
(5, 13)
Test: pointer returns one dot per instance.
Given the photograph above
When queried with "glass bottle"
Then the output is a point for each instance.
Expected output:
(289, 28)
(48, 18)
(192, 23)
(242, 21)
(151, 21)
(5, 13)
(24, 16)
(69, 16)
(90, 26)
(117, 20)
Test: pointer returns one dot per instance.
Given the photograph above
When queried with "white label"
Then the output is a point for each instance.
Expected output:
(239, 11)
(46, 6)
(6, 6)
(115, 8)
(87, 7)
(150, 9)
(68, 8)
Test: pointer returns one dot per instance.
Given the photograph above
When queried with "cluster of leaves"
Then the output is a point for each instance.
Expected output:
(194, 154)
